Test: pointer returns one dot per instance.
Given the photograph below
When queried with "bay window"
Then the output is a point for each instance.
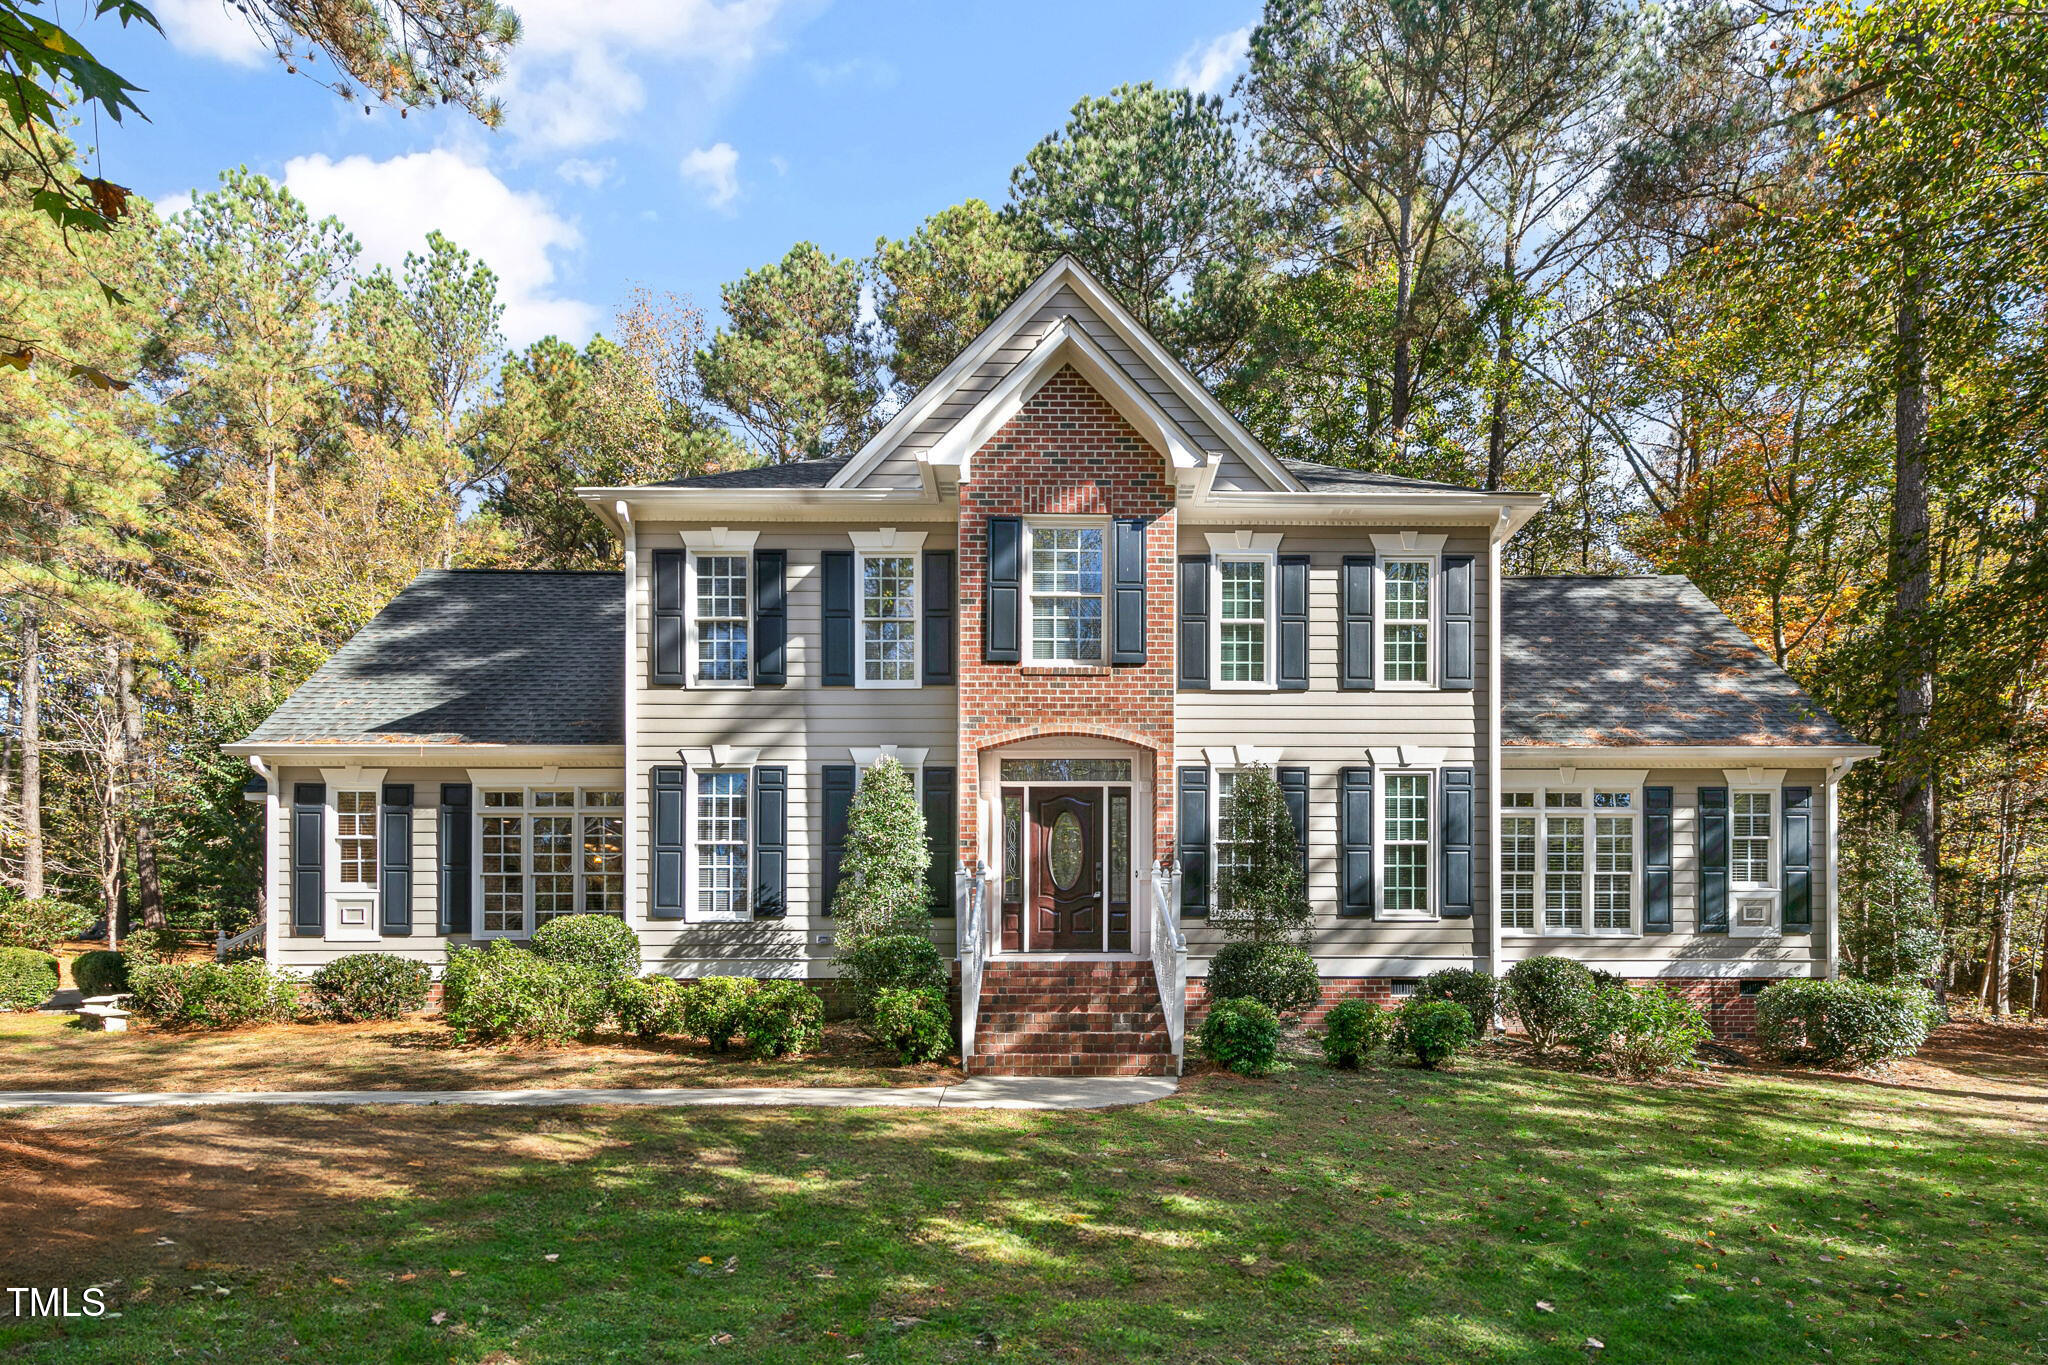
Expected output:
(544, 853)
(1067, 568)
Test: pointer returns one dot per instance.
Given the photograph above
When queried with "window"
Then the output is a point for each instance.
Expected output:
(1564, 872)
(542, 854)
(1749, 839)
(720, 617)
(1404, 843)
(355, 838)
(1230, 844)
(722, 847)
(1243, 598)
(1066, 594)
(1572, 853)
(1518, 861)
(888, 620)
(1404, 620)
(502, 864)
(604, 854)
(1614, 871)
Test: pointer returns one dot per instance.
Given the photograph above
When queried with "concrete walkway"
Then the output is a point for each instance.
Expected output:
(990, 1092)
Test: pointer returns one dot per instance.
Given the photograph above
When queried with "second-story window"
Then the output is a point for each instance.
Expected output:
(888, 620)
(721, 618)
(1404, 620)
(1066, 594)
(1241, 609)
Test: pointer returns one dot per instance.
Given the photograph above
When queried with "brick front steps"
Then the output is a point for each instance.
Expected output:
(1070, 1019)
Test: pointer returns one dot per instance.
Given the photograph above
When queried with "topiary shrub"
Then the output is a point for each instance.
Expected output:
(1843, 1022)
(882, 888)
(648, 1006)
(715, 1008)
(372, 986)
(1279, 976)
(1478, 992)
(100, 972)
(28, 977)
(214, 994)
(891, 962)
(782, 1018)
(1433, 1031)
(1262, 894)
(1243, 1035)
(915, 1022)
(499, 991)
(1640, 1031)
(41, 923)
(1353, 1031)
(1549, 995)
(602, 943)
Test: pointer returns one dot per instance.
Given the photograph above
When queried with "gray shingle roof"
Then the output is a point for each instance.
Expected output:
(1329, 478)
(473, 656)
(1641, 660)
(800, 474)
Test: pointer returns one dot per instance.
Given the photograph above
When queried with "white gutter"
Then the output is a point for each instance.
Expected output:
(1832, 916)
(630, 535)
(1685, 755)
(268, 846)
(431, 755)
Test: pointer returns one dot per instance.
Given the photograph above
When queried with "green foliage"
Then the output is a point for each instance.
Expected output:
(1890, 932)
(1433, 1031)
(499, 991)
(891, 961)
(1280, 976)
(1353, 1031)
(782, 1018)
(1640, 1031)
(372, 986)
(939, 287)
(1478, 992)
(42, 923)
(882, 889)
(1843, 1022)
(913, 1020)
(1550, 996)
(213, 994)
(602, 943)
(715, 1008)
(100, 972)
(1242, 1035)
(648, 1006)
(27, 978)
(1263, 896)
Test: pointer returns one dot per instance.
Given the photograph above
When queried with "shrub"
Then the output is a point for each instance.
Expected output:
(1433, 1030)
(781, 1018)
(1478, 992)
(27, 977)
(1549, 995)
(149, 947)
(914, 1022)
(1355, 1029)
(891, 962)
(602, 943)
(647, 1005)
(1889, 929)
(500, 991)
(372, 986)
(1279, 976)
(1242, 1034)
(214, 994)
(100, 972)
(1262, 897)
(1640, 1032)
(1843, 1022)
(714, 1008)
(882, 887)
(41, 923)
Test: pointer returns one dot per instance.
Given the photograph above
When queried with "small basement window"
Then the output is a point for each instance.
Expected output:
(1754, 987)
(1403, 986)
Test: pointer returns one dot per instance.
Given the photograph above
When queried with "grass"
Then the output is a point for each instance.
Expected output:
(1500, 1211)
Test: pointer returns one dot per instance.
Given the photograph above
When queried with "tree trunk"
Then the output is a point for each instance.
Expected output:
(149, 887)
(1497, 425)
(1911, 581)
(31, 758)
(114, 793)
(1404, 294)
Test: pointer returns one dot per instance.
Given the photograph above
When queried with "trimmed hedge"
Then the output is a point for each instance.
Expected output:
(1279, 976)
(1242, 1034)
(782, 1018)
(500, 991)
(41, 923)
(1640, 1031)
(916, 1023)
(1843, 1022)
(908, 962)
(214, 994)
(647, 1005)
(28, 976)
(1550, 995)
(602, 943)
(372, 986)
(1354, 1030)
(715, 1008)
(100, 972)
(1478, 992)
(1433, 1031)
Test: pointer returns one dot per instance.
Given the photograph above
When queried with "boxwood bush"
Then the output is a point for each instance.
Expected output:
(602, 943)
(214, 994)
(648, 1005)
(1433, 1031)
(1478, 992)
(1280, 976)
(372, 986)
(27, 977)
(1843, 1022)
(1353, 1031)
(100, 972)
(1640, 1031)
(41, 923)
(916, 1022)
(782, 1018)
(908, 962)
(1242, 1034)
(499, 991)
(1550, 995)
(715, 1008)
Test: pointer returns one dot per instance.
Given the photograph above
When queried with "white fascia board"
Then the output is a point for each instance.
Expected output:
(1499, 513)
(1589, 757)
(756, 504)
(435, 755)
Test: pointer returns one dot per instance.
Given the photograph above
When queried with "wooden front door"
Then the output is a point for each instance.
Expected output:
(1066, 868)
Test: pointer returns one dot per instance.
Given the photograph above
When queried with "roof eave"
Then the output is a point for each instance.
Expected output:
(421, 752)
(1680, 755)
(1511, 511)
(649, 503)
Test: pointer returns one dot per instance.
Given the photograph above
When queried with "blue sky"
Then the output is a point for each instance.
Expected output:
(664, 143)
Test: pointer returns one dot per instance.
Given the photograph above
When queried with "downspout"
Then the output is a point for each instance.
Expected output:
(1832, 916)
(634, 787)
(1495, 542)
(271, 900)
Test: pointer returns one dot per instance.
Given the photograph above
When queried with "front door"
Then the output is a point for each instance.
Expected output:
(1066, 868)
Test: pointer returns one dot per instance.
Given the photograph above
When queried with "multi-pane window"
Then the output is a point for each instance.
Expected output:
(1231, 845)
(1066, 594)
(501, 864)
(1614, 870)
(552, 853)
(355, 837)
(1564, 872)
(721, 618)
(722, 844)
(1241, 603)
(604, 853)
(1518, 861)
(888, 619)
(1404, 620)
(1404, 840)
(545, 854)
(1573, 854)
(1749, 839)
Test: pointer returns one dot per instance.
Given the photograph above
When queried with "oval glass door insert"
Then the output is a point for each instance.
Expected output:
(1063, 858)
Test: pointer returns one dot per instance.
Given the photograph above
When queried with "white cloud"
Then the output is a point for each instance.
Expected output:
(169, 206)
(1206, 68)
(716, 171)
(872, 72)
(391, 205)
(586, 172)
(209, 28)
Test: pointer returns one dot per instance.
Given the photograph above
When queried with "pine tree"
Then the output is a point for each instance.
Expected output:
(882, 886)
(1262, 894)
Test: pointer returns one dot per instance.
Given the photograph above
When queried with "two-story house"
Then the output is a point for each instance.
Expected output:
(1075, 597)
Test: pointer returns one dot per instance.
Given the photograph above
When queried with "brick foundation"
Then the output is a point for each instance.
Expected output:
(1730, 1013)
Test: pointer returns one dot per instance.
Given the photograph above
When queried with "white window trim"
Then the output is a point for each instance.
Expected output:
(691, 912)
(1423, 548)
(1102, 524)
(1774, 833)
(1585, 784)
(1262, 547)
(1432, 857)
(337, 890)
(887, 543)
(717, 542)
(576, 811)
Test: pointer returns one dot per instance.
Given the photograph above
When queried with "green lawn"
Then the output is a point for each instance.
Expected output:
(1497, 1212)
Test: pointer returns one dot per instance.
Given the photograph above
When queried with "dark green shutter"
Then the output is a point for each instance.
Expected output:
(1356, 821)
(665, 650)
(671, 819)
(1355, 668)
(1457, 667)
(835, 570)
(771, 618)
(1656, 860)
(1001, 638)
(1457, 843)
(455, 857)
(1194, 842)
(1798, 861)
(1194, 622)
(938, 618)
(1292, 672)
(394, 879)
(309, 851)
(941, 837)
(771, 841)
(1127, 600)
(839, 782)
(1713, 860)
(1294, 791)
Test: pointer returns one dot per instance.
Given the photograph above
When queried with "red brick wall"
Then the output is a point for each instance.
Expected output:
(1067, 452)
(1336, 989)
(1730, 1013)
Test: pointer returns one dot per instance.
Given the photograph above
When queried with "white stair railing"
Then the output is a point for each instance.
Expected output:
(973, 952)
(1170, 956)
(224, 945)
